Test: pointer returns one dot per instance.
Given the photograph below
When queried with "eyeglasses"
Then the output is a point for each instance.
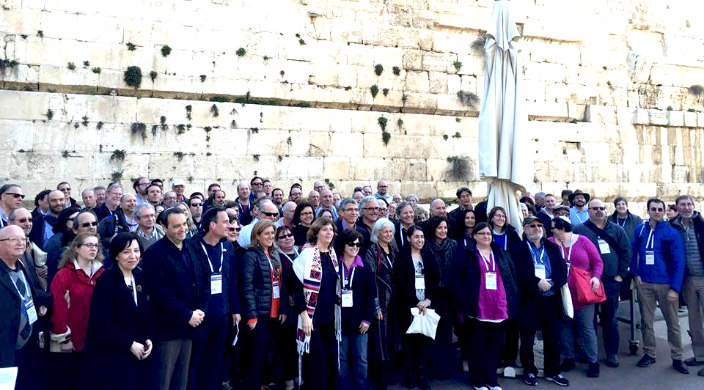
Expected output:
(15, 240)
(86, 224)
(15, 195)
(91, 245)
(484, 234)
(371, 208)
(657, 209)
(350, 209)
(357, 244)
(24, 220)
(307, 213)
(257, 183)
(535, 226)
(283, 236)
(235, 229)
(271, 214)
(598, 208)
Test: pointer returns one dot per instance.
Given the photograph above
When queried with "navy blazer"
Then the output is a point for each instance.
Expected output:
(177, 285)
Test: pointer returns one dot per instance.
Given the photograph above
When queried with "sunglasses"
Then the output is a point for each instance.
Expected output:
(598, 208)
(15, 195)
(196, 204)
(270, 214)
(86, 224)
(283, 236)
(357, 244)
(535, 226)
(235, 229)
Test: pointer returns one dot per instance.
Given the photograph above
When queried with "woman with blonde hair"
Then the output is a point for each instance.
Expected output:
(72, 290)
(192, 227)
(262, 289)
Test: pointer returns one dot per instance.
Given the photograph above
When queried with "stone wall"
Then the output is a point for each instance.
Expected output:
(613, 92)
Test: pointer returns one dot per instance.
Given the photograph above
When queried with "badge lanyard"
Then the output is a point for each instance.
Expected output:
(539, 260)
(349, 286)
(295, 254)
(488, 262)
(222, 251)
(134, 291)
(650, 243)
(624, 221)
(27, 295)
(569, 254)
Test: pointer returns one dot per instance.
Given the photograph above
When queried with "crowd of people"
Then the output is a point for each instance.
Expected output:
(154, 289)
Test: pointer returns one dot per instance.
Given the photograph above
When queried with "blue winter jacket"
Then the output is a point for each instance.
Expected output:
(668, 248)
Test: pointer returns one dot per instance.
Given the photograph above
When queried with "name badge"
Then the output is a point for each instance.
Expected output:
(31, 311)
(649, 258)
(604, 247)
(420, 282)
(347, 298)
(490, 280)
(540, 271)
(215, 284)
(275, 288)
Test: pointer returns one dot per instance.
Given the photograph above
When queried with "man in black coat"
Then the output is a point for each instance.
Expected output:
(540, 273)
(179, 290)
(22, 305)
(210, 249)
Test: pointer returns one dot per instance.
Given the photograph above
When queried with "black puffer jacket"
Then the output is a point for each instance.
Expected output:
(256, 285)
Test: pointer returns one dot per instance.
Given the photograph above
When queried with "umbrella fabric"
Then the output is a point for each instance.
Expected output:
(504, 155)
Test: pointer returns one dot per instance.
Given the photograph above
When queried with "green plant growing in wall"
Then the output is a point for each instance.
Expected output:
(139, 128)
(165, 50)
(255, 157)
(116, 176)
(457, 135)
(118, 155)
(5, 64)
(220, 99)
(152, 75)
(65, 154)
(131, 46)
(188, 112)
(460, 168)
(179, 155)
(133, 76)
(469, 99)
(457, 65)
(458, 119)
(696, 90)
(399, 122)
(71, 66)
(86, 64)
(385, 91)
(49, 114)
(385, 137)
(378, 69)
(99, 125)
(477, 45)
(241, 52)
(96, 70)
(214, 110)
(382, 122)
(396, 70)
(202, 78)
(180, 129)
(374, 90)
(445, 137)
(40, 34)
(84, 121)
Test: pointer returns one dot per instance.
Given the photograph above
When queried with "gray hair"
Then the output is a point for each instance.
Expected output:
(345, 202)
(88, 190)
(138, 211)
(12, 215)
(367, 199)
(113, 186)
(288, 205)
(412, 197)
(380, 225)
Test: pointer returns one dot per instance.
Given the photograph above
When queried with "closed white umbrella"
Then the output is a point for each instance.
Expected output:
(504, 145)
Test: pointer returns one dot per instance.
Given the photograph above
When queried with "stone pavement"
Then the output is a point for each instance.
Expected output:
(627, 376)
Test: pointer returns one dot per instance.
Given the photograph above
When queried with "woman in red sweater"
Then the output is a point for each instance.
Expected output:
(72, 288)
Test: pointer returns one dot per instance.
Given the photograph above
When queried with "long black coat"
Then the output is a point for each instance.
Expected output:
(256, 286)
(528, 282)
(467, 276)
(405, 281)
(115, 323)
(10, 313)
(177, 286)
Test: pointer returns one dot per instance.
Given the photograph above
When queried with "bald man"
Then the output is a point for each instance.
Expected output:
(327, 203)
(23, 305)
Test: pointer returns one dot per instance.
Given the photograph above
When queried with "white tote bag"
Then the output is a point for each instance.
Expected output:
(425, 323)
(567, 300)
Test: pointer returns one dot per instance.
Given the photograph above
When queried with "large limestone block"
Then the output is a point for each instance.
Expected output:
(337, 168)
(600, 114)
(657, 117)
(408, 169)
(417, 81)
(16, 135)
(23, 105)
(347, 144)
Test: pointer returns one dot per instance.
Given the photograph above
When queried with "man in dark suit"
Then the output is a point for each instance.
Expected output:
(19, 337)
(179, 290)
